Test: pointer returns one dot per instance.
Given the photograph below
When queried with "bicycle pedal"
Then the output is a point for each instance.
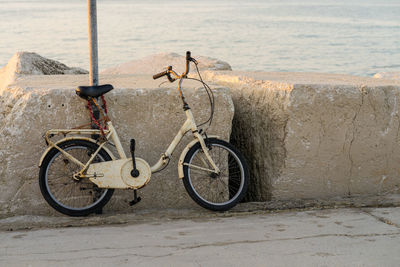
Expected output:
(135, 201)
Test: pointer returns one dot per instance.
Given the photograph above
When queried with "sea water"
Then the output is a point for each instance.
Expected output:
(359, 37)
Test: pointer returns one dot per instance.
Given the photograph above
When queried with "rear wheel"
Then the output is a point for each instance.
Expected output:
(66, 194)
(218, 192)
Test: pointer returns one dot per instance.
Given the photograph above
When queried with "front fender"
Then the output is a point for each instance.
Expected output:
(183, 155)
(73, 138)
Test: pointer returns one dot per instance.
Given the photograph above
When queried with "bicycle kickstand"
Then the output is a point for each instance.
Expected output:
(136, 199)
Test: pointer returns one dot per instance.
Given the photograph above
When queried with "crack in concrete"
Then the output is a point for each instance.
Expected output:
(97, 249)
(218, 244)
(353, 138)
(213, 244)
(100, 257)
(381, 219)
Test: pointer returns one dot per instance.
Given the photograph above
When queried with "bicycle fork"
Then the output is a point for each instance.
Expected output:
(207, 155)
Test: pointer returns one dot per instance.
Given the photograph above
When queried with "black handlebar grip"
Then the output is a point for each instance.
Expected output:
(159, 75)
(188, 55)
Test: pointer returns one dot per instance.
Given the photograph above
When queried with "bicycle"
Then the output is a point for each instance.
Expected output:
(78, 174)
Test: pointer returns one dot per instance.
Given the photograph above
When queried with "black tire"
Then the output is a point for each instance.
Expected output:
(61, 191)
(224, 191)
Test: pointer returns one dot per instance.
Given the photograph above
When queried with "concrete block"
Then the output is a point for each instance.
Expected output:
(138, 108)
(315, 136)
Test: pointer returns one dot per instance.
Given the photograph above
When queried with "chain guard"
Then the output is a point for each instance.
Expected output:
(117, 174)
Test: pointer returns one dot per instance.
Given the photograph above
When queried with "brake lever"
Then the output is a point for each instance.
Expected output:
(170, 78)
(193, 60)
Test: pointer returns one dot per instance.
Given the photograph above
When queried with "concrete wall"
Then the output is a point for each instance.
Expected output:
(139, 109)
(316, 136)
(305, 135)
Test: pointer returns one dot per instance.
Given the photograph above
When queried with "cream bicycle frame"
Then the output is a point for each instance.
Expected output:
(189, 125)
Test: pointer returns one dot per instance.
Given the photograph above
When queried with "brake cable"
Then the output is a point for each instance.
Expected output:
(207, 88)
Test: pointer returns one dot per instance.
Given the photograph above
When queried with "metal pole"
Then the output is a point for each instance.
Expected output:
(93, 59)
(93, 56)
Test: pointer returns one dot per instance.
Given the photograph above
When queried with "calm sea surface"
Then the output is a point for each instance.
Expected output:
(358, 37)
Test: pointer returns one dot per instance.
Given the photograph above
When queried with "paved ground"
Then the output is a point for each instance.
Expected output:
(333, 237)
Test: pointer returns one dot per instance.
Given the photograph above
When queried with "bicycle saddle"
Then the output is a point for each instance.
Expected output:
(93, 91)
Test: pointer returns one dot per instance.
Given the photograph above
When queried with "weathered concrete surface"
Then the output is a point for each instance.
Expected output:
(344, 237)
(148, 215)
(138, 108)
(308, 137)
(156, 63)
(318, 136)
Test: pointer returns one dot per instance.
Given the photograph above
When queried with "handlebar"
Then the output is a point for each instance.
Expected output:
(168, 73)
(159, 75)
(169, 70)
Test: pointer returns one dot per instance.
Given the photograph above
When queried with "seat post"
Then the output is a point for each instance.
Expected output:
(96, 115)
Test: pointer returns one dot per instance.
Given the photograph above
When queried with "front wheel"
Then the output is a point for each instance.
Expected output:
(218, 192)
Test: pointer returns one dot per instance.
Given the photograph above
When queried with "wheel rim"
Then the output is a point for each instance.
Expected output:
(220, 190)
(64, 190)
